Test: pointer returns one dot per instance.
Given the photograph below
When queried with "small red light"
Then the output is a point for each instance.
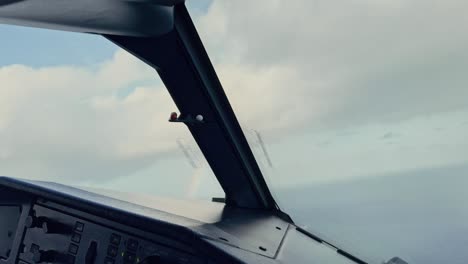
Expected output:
(173, 116)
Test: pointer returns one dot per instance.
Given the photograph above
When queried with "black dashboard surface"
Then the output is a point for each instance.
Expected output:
(43, 222)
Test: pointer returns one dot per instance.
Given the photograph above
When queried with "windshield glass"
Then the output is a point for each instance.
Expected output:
(356, 112)
(78, 110)
(361, 107)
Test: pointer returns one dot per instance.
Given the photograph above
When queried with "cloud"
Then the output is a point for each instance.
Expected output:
(106, 120)
(342, 63)
(110, 120)
(368, 67)
(288, 68)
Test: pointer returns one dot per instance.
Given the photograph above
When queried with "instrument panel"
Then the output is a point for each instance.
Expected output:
(56, 237)
(35, 230)
(42, 222)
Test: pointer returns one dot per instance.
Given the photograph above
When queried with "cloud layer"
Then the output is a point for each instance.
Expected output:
(289, 69)
(105, 120)
(342, 63)
(342, 74)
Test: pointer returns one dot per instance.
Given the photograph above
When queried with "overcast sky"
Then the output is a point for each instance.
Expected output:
(338, 89)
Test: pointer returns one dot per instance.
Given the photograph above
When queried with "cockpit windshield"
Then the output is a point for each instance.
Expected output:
(356, 113)
(361, 108)
(77, 109)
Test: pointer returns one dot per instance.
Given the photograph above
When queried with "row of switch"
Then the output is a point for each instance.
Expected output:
(112, 250)
(132, 244)
(46, 256)
(50, 226)
(129, 257)
(76, 238)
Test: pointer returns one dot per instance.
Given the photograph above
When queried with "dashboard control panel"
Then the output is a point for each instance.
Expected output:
(53, 236)
(43, 222)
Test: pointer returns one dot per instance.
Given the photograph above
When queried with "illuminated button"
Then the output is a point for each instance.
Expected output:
(73, 249)
(129, 258)
(76, 238)
(109, 261)
(132, 245)
(79, 227)
(112, 251)
(115, 239)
